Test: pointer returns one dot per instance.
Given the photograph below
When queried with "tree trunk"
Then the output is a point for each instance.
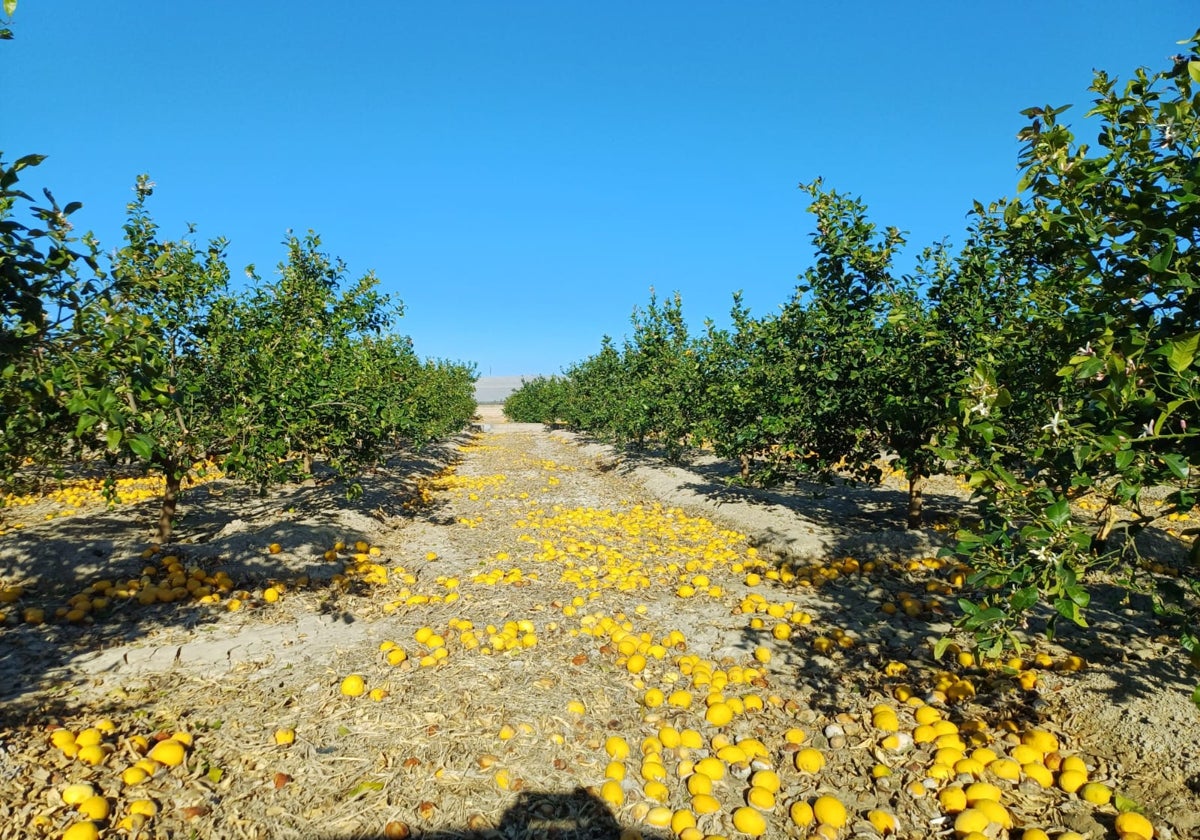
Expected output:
(170, 501)
(915, 500)
(745, 471)
(308, 462)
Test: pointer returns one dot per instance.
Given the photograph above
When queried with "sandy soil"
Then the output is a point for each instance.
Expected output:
(560, 539)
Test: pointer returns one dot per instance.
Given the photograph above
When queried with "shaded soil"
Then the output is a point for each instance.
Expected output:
(582, 552)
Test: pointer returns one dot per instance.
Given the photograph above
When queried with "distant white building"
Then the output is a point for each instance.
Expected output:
(495, 389)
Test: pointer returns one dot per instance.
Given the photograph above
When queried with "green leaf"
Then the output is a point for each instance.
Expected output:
(1160, 261)
(1059, 512)
(142, 446)
(1069, 609)
(10, 7)
(1079, 595)
(1023, 599)
(983, 618)
(939, 648)
(1126, 805)
(1181, 352)
(1177, 464)
(1193, 69)
(363, 787)
(215, 774)
(113, 438)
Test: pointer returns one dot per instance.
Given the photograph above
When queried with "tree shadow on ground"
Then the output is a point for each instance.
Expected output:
(224, 527)
(535, 815)
(867, 524)
(859, 516)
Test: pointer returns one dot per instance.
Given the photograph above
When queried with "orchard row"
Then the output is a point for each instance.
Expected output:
(1051, 360)
(146, 360)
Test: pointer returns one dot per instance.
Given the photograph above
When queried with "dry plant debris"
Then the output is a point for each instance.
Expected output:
(540, 648)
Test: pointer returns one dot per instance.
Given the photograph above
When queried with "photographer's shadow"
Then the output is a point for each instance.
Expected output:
(537, 815)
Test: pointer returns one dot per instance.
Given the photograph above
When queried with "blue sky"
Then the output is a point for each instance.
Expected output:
(521, 173)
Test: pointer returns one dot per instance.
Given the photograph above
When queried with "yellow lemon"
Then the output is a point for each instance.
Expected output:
(169, 752)
(801, 813)
(616, 747)
(767, 780)
(705, 804)
(145, 807)
(93, 754)
(1096, 793)
(1133, 823)
(95, 808)
(883, 822)
(749, 821)
(353, 686)
(952, 799)
(82, 831)
(809, 760)
(714, 768)
(612, 793)
(719, 714)
(134, 775)
(74, 794)
(760, 798)
(1071, 780)
(829, 811)
(970, 820)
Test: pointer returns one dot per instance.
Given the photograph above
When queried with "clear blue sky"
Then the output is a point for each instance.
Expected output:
(521, 173)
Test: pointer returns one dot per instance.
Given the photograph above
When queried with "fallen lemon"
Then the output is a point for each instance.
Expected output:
(169, 752)
(829, 811)
(353, 686)
(749, 821)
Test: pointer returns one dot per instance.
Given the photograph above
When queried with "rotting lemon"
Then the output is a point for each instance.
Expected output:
(883, 821)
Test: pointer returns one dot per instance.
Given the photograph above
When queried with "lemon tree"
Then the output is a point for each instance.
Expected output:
(538, 400)
(661, 364)
(1116, 231)
(46, 274)
(116, 371)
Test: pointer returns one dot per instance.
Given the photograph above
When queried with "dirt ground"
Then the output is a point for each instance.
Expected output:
(556, 603)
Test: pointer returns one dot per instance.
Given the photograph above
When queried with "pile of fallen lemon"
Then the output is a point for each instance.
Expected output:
(127, 802)
(70, 497)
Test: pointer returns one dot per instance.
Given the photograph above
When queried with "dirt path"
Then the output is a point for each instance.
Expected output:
(563, 618)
